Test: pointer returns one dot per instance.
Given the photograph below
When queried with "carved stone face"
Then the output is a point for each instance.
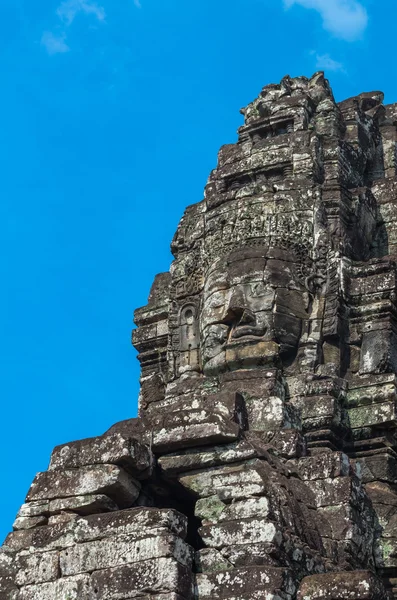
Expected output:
(253, 310)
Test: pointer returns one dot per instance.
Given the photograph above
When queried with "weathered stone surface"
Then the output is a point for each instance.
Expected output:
(322, 466)
(83, 505)
(41, 539)
(34, 509)
(239, 532)
(71, 588)
(238, 582)
(115, 449)
(37, 568)
(62, 517)
(162, 597)
(206, 457)
(8, 570)
(213, 510)
(118, 551)
(267, 408)
(230, 482)
(153, 576)
(29, 522)
(193, 428)
(380, 467)
(210, 560)
(109, 480)
(136, 522)
(342, 586)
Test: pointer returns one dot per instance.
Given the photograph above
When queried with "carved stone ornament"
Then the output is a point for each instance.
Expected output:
(263, 462)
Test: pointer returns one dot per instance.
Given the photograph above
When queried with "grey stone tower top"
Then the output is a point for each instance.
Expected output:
(263, 460)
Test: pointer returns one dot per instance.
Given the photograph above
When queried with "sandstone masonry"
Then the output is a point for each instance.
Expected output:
(262, 465)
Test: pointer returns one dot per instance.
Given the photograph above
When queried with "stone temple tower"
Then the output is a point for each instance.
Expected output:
(262, 465)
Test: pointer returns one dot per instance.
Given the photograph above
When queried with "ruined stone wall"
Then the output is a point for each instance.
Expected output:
(263, 461)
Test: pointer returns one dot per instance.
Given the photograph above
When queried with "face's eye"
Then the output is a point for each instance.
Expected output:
(215, 334)
(258, 289)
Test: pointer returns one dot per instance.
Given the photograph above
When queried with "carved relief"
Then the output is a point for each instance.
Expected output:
(268, 404)
(189, 339)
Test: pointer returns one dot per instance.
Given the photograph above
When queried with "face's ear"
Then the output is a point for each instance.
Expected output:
(287, 329)
(292, 302)
(291, 309)
(315, 283)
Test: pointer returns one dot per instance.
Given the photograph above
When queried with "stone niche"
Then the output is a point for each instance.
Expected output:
(262, 465)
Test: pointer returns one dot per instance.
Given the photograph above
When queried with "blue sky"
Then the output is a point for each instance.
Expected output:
(112, 116)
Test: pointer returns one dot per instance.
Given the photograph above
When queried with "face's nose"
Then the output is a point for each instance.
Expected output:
(247, 318)
(237, 311)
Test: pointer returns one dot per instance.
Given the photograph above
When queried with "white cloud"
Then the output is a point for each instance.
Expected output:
(137, 4)
(54, 44)
(68, 10)
(326, 63)
(346, 19)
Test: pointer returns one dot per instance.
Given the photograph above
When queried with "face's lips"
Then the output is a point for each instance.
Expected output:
(247, 330)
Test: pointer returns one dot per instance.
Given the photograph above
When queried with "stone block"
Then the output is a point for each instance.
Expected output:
(356, 585)
(246, 509)
(70, 588)
(212, 510)
(239, 583)
(163, 575)
(269, 554)
(8, 590)
(288, 443)
(119, 551)
(244, 531)
(202, 458)
(378, 352)
(34, 568)
(42, 539)
(136, 522)
(373, 414)
(322, 466)
(340, 490)
(227, 403)
(229, 483)
(388, 554)
(162, 597)
(83, 505)
(373, 283)
(109, 480)
(193, 428)
(7, 561)
(8, 569)
(29, 522)
(62, 517)
(254, 383)
(381, 493)
(380, 467)
(319, 412)
(210, 560)
(269, 413)
(209, 509)
(108, 449)
(34, 509)
(290, 552)
(336, 522)
(372, 389)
